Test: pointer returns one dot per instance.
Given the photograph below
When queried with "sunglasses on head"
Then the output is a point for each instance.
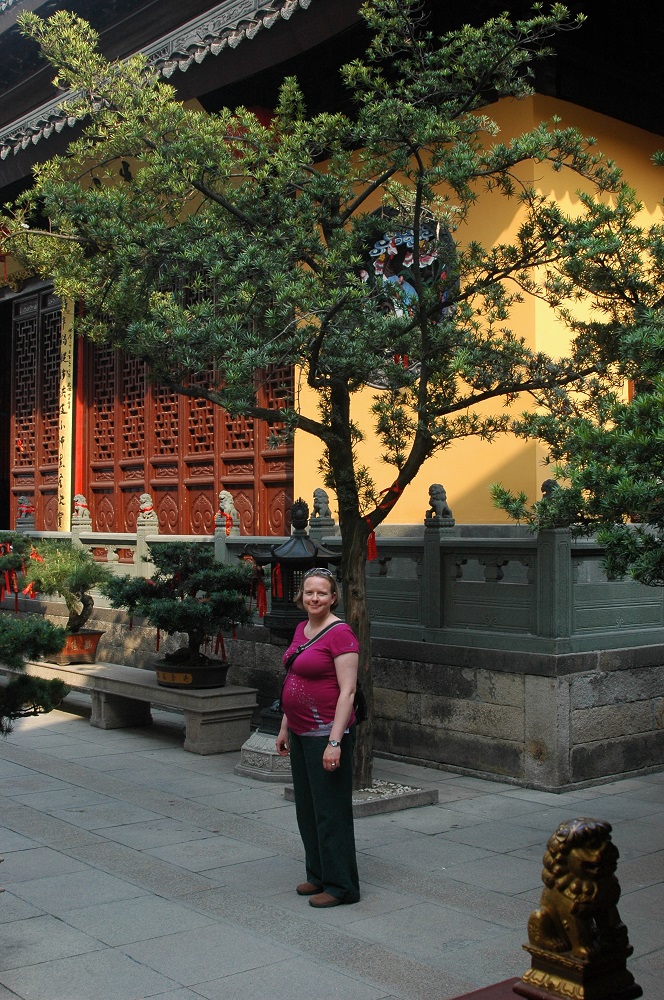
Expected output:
(318, 571)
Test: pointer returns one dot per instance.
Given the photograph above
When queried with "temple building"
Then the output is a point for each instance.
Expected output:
(79, 418)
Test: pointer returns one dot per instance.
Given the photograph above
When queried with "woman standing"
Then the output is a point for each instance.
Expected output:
(317, 701)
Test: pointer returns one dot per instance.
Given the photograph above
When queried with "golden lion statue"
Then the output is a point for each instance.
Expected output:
(578, 912)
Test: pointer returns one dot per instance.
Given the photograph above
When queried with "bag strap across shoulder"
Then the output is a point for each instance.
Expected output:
(300, 649)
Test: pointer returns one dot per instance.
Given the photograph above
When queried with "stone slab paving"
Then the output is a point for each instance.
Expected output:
(134, 869)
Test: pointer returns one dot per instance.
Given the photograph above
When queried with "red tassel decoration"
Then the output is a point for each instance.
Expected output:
(277, 582)
(229, 523)
(372, 551)
(261, 598)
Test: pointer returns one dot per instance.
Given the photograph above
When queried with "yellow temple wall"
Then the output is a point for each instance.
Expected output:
(468, 467)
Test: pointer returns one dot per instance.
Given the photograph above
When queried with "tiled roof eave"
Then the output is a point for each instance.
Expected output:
(227, 24)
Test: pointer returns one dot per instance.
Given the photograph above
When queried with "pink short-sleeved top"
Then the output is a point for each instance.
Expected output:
(311, 690)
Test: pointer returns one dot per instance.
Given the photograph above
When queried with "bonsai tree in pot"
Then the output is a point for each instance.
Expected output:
(192, 593)
(72, 572)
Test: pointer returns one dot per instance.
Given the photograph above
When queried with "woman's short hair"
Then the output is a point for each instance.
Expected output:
(324, 574)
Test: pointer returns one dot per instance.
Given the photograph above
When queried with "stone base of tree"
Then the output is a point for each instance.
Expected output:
(384, 797)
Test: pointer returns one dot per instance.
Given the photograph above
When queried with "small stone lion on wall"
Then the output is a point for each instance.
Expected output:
(81, 510)
(578, 911)
(439, 508)
(321, 503)
(146, 508)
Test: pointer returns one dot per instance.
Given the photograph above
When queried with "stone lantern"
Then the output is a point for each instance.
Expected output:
(289, 562)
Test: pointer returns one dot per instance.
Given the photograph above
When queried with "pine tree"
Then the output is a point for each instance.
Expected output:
(269, 230)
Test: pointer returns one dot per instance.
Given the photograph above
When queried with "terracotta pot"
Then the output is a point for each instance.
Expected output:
(79, 647)
(186, 675)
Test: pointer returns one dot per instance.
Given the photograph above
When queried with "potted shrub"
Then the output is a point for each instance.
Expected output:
(192, 593)
(72, 572)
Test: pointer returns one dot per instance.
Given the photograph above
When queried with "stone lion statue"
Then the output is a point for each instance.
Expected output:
(578, 911)
(146, 509)
(439, 506)
(549, 487)
(81, 507)
(321, 504)
(227, 504)
(25, 507)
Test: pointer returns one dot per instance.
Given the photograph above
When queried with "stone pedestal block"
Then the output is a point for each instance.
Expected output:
(259, 759)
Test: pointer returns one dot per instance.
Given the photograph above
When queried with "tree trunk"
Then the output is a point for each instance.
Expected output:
(80, 610)
(354, 532)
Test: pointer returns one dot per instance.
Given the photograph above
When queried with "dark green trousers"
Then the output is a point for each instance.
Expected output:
(324, 810)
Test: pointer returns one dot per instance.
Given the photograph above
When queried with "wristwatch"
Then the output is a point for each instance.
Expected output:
(333, 743)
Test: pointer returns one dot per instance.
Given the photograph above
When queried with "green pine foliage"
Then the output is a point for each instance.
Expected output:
(189, 592)
(611, 481)
(27, 638)
(26, 696)
(15, 548)
(70, 571)
(607, 452)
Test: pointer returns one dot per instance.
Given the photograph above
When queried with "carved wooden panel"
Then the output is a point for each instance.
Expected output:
(201, 520)
(133, 388)
(50, 331)
(132, 506)
(182, 450)
(167, 512)
(26, 367)
(34, 422)
(200, 427)
(50, 511)
(275, 456)
(101, 422)
(104, 513)
(165, 421)
(244, 504)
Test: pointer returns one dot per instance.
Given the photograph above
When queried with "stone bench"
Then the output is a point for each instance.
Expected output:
(216, 719)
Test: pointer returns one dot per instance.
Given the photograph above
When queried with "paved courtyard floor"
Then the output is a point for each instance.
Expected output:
(134, 869)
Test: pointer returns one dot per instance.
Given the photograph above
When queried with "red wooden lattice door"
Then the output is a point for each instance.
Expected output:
(181, 450)
(34, 422)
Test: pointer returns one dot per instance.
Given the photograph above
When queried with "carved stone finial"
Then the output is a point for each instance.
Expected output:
(299, 514)
(146, 513)
(81, 513)
(439, 513)
(578, 943)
